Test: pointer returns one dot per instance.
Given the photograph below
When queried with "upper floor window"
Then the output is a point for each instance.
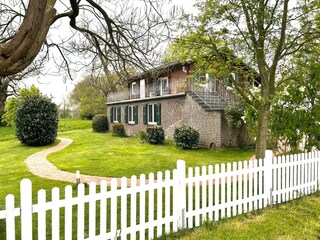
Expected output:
(134, 88)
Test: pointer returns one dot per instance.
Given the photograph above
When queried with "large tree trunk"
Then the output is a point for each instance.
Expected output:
(4, 84)
(262, 134)
(20, 51)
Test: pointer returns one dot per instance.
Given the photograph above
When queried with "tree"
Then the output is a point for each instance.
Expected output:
(295, 116)
(229, 33)
(109, 34)
(13, 103)
(89, 100)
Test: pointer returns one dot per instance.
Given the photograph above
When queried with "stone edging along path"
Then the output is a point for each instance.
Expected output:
(40, 166)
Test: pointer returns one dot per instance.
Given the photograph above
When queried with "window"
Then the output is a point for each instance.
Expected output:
(131, 114)
(115, 114)
(134, 88)
(152, 114)
(236, 77)
(164, 82)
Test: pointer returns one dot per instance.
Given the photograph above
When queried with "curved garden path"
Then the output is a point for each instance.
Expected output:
(40, 166)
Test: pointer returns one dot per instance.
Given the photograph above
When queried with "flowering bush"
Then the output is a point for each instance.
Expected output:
(186, 137)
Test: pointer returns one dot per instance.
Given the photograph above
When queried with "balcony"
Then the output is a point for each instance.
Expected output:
(150, 90)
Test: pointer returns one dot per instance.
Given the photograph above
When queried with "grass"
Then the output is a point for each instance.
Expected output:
(102, 154)
(299, 219)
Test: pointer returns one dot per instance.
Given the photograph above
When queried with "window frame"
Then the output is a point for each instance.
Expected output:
(134, 88)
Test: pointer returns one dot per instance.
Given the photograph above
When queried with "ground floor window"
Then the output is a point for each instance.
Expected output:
(152, 114)
(115, 114)
(131, 114)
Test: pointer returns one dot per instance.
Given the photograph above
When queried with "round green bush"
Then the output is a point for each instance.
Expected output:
(36, 121)
(100, 123)
(155, 135)
(186, 137)
(118, 130)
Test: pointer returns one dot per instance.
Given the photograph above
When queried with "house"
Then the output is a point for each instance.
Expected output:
(169, 96)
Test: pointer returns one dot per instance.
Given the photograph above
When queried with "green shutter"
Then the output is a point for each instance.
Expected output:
(145, 114)
(111, 114)
(135, 114)
(119, 114)
(225, 80)
(126, 114)
(158, 113)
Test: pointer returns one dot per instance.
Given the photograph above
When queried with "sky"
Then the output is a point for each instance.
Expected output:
(57, 86)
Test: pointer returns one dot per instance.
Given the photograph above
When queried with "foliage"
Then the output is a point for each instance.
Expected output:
(12, 104)
(88, 100)
(186, 137)
(118, 130)
(228, 34)
(100, 123)
(36, 121)
(142, 135)
(234, 113)
(296, 112)
(155, 135)
(71, 124)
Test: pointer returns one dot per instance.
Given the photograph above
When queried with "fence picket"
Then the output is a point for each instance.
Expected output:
(142, 218)
(80, 212)
(234, 188)
(151, 206)
(103, 207)
(197, 197)
(123, 209)
(167, 201)
(230, 190)
(216, 192)
(190, 197)
(245, 186)
(240, 188)
(55, 214)
(42, 221)
(92, 210)
(10, 223)
(133, 209)
(113, 209)
(68, 213)
(204, 193)
(210, 192)
(159, 204)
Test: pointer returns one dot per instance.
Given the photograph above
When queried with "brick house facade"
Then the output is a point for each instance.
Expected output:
(170, 99)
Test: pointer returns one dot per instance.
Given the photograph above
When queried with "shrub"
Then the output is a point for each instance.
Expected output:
(186, 137)
(118, 130)
(36, 121)
(100, 123)
(155, 135)
(142, 135)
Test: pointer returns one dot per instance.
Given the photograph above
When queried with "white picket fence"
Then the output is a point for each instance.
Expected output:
(150, 208)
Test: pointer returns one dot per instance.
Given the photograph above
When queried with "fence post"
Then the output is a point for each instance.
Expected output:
(181, 194)
(268, 160)
(26, 209)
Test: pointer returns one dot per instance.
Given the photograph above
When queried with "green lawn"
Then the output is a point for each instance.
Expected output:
(102, 154)
(299, 219)
(295, 220)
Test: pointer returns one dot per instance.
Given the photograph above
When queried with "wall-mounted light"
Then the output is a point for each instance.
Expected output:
(184, 69)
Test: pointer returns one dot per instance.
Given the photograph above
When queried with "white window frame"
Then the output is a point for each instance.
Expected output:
(134, 88)
(115, 115)
(153, 115)
(131, 116)
(164, 91)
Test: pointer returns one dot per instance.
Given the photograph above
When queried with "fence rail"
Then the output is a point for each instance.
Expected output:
(171, 201)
